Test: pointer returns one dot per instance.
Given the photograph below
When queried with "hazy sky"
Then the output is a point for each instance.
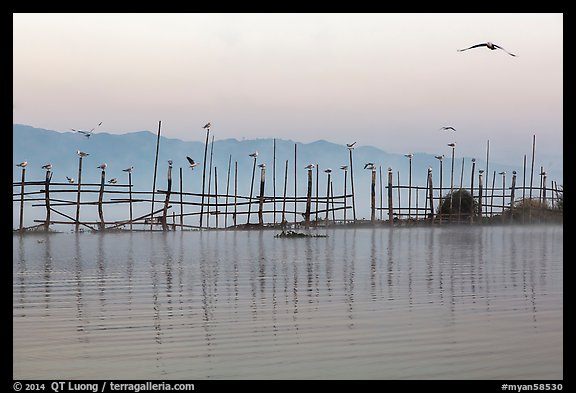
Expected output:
(388, 80)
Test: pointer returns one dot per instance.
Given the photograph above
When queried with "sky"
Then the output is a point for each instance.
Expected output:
(390, 80)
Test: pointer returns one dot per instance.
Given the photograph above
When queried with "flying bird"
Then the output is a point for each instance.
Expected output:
(192, 162)
(255, 154)
(207, 125)
(70, 180)
(129, 170)
(81, 153)
(350, 145)
(344, 167)
(488, 45)
(448, 128)
(309, 166)
(102, 166)
(113, 181)
(87, 134)
(22, 164)
(47, 166)
(369, 165)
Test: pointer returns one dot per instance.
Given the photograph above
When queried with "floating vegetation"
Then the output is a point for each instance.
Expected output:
(294, 234)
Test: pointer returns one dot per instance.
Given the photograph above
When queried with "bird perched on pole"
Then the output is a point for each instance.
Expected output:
(207, 125)
(22, 164)
(129, 170)
(70, 180)
(488, 45)
(81, 153)
(254, 155)
(369, 165)
(309, 166)
(102, 166)
(47, 166)
(350, 145)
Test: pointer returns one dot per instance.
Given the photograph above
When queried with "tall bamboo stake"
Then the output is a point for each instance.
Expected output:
(209, 182)
(274, 178)
(373, 197)
(284, 199)
(451, 185)
(441, 159)
(398, 189)
(512, 192)
(503, 194)
(130, 194)
(181, 206)
(216, 212)
(390, 207)
(47, 198)
(251, 188)
(480, 193)
(345, 198)
(472, 191)
(332, 199)
(352, 183)
(317, 189)
(460, 193)
(261, 204)
(21, 228)
(204, 175)
(235, 190)
(431, 194)
(532, 167)
(327, 197)
(295, 182)
(487, 178)
(155, 168)
(492, 194)
(381, 189)
(167, 198)
(308, 199)
(100, 196)
(227, 189)
(78, 194)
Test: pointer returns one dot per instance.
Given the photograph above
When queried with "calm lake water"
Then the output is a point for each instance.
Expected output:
(385, 303)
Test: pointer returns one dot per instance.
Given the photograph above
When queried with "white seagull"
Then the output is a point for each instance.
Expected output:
(262, 165)
(350, 145)
(70, 180)
(448, 128)
(87, 134)
(102, 166)
(488, 45)
(129, 170)
(309, 166)
(207, 125)
(369, 165)
(81, 153)
(192, 162)
(169, 162)
(344, 167)
(47, 166)
(328, 170)
(255, 154)
(113, 181)
(409, 155)
(22, 164)
(439, 157)
(452, 144)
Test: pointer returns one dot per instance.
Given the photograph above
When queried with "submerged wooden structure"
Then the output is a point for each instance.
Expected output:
(426, 203)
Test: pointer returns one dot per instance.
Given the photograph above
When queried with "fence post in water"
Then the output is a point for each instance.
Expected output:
(100, 196)
(492, 193)
(227, 190)
(345, 169)
(129, 170)
(390, 209)
(261, 206)
(480, 171)
(154, 180)
(167, 199)
(235, 191)
(512, 192)
(431, 194)
(81, 155)
(209, 182)
(47, 198)
(251, 190)
(21, 228)
(352, 182)
(328, 171)
(308, 199)
(332, 199)
(216, 211)
(531, 178)
(283, 223)
(544, 189)
(373, 197)
(274, 180)
(295, 183)
(207, 126)
(472, 191)
(381, 189)
(398, 186)
(317, 189)
(181, 206)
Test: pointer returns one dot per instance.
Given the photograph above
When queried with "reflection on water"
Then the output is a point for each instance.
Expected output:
(400, 303)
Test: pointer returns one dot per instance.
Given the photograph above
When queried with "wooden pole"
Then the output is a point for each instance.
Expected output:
(332, 200)
(317, 190)
(390, 207)
(352, 183)
(217, 212)
(451, 186)
(21, 228)
(308, 200)
(100, 197)
(398, 184)
(540, 189)
(261, 205)
(167, 198)
(327, 197)
(460, 191)
(284, 199)
(295, 182)
(431, 194)
(130, 195)
(492, 194)
(381, 189)
(480, 193)
(373, 197)
(487, 178)
(235, 190)
(204, 176)
(345, 198)
(532, 166)
(472, 191)
(544, 189)
(410, 189)
(155, 168)
(78, 195)
(440, 196)
(503, 195)
(274, 178)
(47, 199)
(227, 189)
(181, 206)
(251, 188)
(209, 182)
(512, 192)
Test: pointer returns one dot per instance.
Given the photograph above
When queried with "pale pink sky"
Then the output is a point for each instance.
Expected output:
(388, 80)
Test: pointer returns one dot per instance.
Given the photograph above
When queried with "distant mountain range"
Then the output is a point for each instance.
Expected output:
(119, 151)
